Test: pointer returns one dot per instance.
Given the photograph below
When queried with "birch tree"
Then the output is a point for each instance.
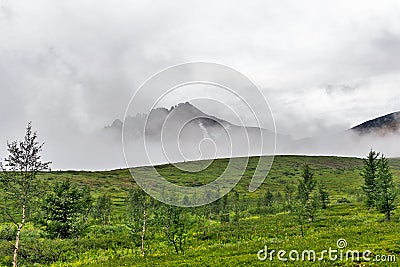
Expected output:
(19, 179)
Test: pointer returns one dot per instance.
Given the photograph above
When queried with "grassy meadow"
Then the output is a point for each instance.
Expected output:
(212, 241)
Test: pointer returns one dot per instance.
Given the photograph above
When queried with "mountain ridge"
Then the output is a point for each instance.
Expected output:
(183, 128)
(382, 125)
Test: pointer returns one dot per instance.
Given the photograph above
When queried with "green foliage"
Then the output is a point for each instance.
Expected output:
(343, 200)
(306, 185)
(102, 209)
(268, 198)
(8, 232)
(224, 213)
(176, 222)
(323, 195)
(307, 202)
(229, 241)
(139, 210)
(268, 202)
(65, 210)
(369, 173)
(18, 178)
(288, 196)
(385, 194)
(378, 184)
(18, 181)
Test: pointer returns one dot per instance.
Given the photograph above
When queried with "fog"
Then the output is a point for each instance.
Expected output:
(72, 67)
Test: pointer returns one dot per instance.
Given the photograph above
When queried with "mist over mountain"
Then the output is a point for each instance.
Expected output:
(184, 115)
(381, 126)
(381, 134)
(184, 132)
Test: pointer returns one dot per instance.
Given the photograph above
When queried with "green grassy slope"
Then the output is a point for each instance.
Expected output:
(236, 244)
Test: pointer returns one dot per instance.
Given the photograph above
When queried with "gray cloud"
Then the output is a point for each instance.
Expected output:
(72, 66)
(386, 49)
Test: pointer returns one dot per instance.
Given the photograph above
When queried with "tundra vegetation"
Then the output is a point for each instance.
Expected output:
(102, 218)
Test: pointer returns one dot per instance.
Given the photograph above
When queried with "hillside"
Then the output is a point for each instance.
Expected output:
(211, 240)
(341, 175)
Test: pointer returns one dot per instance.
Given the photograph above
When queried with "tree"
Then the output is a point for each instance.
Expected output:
(237, 207)
(323, 195)
(268, 198)
(139, 204)
(215, 206)
(86, 203)
(19, 179)
(266, 201)
(289, 191)
(203, 213)
(224, 214)
(176, 224)
(369, 174)
(65, 209)
(305, 189)
(102, 209)
(385, 194)
(305, 204)
(298, 209)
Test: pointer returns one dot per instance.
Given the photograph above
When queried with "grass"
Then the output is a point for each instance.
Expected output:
(226, 244)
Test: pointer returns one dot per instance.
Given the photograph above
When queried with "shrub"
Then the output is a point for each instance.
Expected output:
(343, 200)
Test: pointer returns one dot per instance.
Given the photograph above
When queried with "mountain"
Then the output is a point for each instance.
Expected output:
(184, 133)
(154, 123)
(380, 134)
(381, 126)
(187, 131)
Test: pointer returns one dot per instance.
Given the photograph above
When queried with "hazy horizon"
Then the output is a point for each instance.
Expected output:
(72, 67)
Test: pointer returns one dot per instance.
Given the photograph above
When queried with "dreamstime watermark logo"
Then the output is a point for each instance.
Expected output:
(339, 253)
(190, 134)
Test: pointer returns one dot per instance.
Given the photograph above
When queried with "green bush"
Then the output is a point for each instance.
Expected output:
(8, 232)
(343, 200)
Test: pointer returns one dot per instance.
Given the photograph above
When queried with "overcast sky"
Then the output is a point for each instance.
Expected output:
(72, 66)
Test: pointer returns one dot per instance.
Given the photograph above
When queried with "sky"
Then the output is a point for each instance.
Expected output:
(71, 67)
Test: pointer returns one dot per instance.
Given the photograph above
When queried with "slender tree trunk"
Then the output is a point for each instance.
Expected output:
(17, 237)
(176, 247)
(171, 238)
(144, 229)
(174, 243)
